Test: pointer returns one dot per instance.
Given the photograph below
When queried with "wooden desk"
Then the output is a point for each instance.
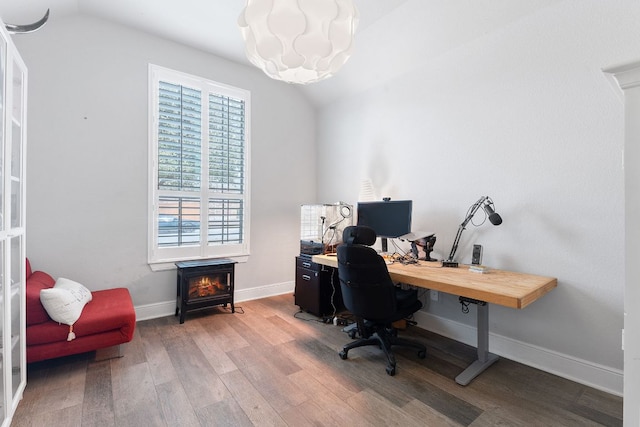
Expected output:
(507, 288)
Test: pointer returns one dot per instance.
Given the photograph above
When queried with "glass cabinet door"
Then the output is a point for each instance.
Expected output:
(3, 57)
(3, 269)
(16, 295)
(3, 225)
(18, 274)
(17, 79)
(13, 74)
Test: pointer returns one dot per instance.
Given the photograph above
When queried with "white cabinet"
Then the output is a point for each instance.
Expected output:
(628, 77)
(13, 78)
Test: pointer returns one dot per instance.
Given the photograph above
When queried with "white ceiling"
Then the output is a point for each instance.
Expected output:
(394, 36)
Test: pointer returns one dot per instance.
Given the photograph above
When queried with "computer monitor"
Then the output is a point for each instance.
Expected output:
(389, 218)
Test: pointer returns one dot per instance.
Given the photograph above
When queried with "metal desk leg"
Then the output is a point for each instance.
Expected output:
(485, 359)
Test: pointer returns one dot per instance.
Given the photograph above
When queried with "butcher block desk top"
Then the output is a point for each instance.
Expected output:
(506, 288)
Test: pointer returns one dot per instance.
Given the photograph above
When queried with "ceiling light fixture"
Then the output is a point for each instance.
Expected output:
(298, 41)
(29, 28)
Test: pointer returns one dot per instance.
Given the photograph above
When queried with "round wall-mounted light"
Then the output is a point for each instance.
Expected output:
(298, 41)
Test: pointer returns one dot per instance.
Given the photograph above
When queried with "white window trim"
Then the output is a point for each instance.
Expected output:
(165, 258)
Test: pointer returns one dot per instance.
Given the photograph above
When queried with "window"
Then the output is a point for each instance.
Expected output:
(199, 164)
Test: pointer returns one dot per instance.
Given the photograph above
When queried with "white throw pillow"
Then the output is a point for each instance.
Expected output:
(65, 301)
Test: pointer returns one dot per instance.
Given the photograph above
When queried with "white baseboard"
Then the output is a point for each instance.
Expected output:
(581, 371)
(168, 308)
(153, 311)
(264, 291)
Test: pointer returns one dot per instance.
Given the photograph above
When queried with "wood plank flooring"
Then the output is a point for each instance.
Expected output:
(263, 366)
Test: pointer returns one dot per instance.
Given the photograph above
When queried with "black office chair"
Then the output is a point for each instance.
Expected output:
(370, 295)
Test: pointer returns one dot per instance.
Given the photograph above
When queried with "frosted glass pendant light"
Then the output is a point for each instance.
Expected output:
(298, 41)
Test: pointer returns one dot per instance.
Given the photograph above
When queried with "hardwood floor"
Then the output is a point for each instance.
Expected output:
(263, 366)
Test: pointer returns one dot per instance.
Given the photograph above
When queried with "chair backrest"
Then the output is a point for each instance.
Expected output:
(367, 289)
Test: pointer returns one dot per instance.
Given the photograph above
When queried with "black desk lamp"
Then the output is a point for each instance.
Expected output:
(487, 204)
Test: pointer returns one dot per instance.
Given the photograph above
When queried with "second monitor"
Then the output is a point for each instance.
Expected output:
(388, 218)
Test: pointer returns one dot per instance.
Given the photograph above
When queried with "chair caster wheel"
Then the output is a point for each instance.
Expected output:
(352, 334)
(422, 354)
(391, 370)
(343, 355)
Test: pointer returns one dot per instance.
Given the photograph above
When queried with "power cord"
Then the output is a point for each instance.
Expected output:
(333, 291)
(237, 309)
(466, 302)
(401, 256)
(328, 320)
(309, 319)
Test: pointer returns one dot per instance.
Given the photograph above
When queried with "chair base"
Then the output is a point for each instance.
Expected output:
(385, 338)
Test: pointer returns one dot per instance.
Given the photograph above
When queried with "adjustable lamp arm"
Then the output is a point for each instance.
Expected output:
(461, 228)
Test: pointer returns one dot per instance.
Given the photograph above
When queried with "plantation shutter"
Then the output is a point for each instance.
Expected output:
(226, 168)
(179, 136)
(200, 181)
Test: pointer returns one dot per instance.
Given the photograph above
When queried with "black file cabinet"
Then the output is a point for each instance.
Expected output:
(316, 288)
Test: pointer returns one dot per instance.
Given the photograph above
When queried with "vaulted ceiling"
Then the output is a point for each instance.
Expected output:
(394, 36)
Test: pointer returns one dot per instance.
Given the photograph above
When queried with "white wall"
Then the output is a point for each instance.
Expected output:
(87, 159)
(525, 115)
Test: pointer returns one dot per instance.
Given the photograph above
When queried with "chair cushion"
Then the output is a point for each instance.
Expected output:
(405, 309)
(36, 282)
(409, 307)
(405, 298)
(111, 309)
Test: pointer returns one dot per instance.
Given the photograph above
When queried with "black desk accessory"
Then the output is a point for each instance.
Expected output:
(487, 204)
(421, 240)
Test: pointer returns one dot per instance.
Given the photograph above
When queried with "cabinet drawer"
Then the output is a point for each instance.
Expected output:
(307, 263)
(304, 275)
